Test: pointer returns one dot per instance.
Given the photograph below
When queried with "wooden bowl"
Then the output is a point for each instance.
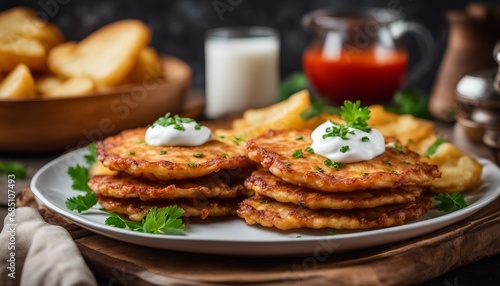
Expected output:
(59, 124)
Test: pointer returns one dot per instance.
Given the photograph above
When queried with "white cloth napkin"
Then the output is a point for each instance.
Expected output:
(45, 254)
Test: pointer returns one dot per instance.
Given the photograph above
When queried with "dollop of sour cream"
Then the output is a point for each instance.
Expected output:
(361, 145)
(158, 135)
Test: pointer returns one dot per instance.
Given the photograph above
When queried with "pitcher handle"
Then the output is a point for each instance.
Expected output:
(425, 43)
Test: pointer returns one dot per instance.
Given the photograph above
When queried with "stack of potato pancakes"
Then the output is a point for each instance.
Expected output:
(299, 188)
(204, 180)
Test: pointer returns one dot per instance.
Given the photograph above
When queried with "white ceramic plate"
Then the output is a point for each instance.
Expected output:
(231, 236)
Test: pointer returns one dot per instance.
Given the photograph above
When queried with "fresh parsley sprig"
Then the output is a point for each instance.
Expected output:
(82, 202)
(158, 221)
(79, 175)
(355, 116)
(451, 202)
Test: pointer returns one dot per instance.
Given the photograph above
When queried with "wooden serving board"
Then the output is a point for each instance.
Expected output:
(409, 262)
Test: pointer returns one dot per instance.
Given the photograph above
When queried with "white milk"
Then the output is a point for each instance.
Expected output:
(240, 73)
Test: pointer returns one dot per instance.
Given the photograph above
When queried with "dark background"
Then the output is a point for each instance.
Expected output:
(178, 26)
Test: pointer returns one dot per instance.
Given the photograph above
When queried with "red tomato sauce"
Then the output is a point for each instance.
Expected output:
(355, 75)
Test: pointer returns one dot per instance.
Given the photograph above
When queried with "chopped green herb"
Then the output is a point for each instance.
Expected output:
(330, 231)
(393, 171)
(337, 130)
(309, 149)
(238, 139)
(131, 152)
(288, 165)
(398, 148)
(197, 126)
(163, 152)
(297, 154)
(298, 236)
(432, 149)
(222, 137)
(223, 156)
(387, 162)
(451, 202)
(335, 165)
(141, 142)
(406, 163)
(299, 138)
(82, 202)
(319, 169)
(344, 149)
(176, 121)
(364, 173)
(365, 139)
(198, 155)
(192, 165)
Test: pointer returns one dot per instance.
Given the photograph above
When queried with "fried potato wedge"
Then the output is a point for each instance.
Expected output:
(14, 51)
(279, 116)
(18, 84)
(51, 86)
(106, 56)
(147, 66)
(22, 22)
(459, 171)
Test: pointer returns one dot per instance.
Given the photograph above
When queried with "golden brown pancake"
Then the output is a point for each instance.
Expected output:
(128, 152)
(269, 185)
(391, 169)
(126, 186)
(136, 209)
(269, 213)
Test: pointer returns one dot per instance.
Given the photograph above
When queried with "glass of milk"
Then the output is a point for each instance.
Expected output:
(241, 69)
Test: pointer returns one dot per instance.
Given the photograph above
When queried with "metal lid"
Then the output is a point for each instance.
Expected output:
(479, 89)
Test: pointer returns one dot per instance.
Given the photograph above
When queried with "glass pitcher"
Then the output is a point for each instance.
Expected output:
(358, 55)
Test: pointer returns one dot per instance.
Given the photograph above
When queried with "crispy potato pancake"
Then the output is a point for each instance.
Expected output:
(128, 152)
(269, 185)
(136, 209)
(391, 169)
(269, 213)
(126, 186)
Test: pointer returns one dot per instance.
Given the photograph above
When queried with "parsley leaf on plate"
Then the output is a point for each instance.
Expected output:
(158, 221)
(82, 202)
(164, 220)
(116, 221)
(80, 176)
(92, 157)
(451, 202)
